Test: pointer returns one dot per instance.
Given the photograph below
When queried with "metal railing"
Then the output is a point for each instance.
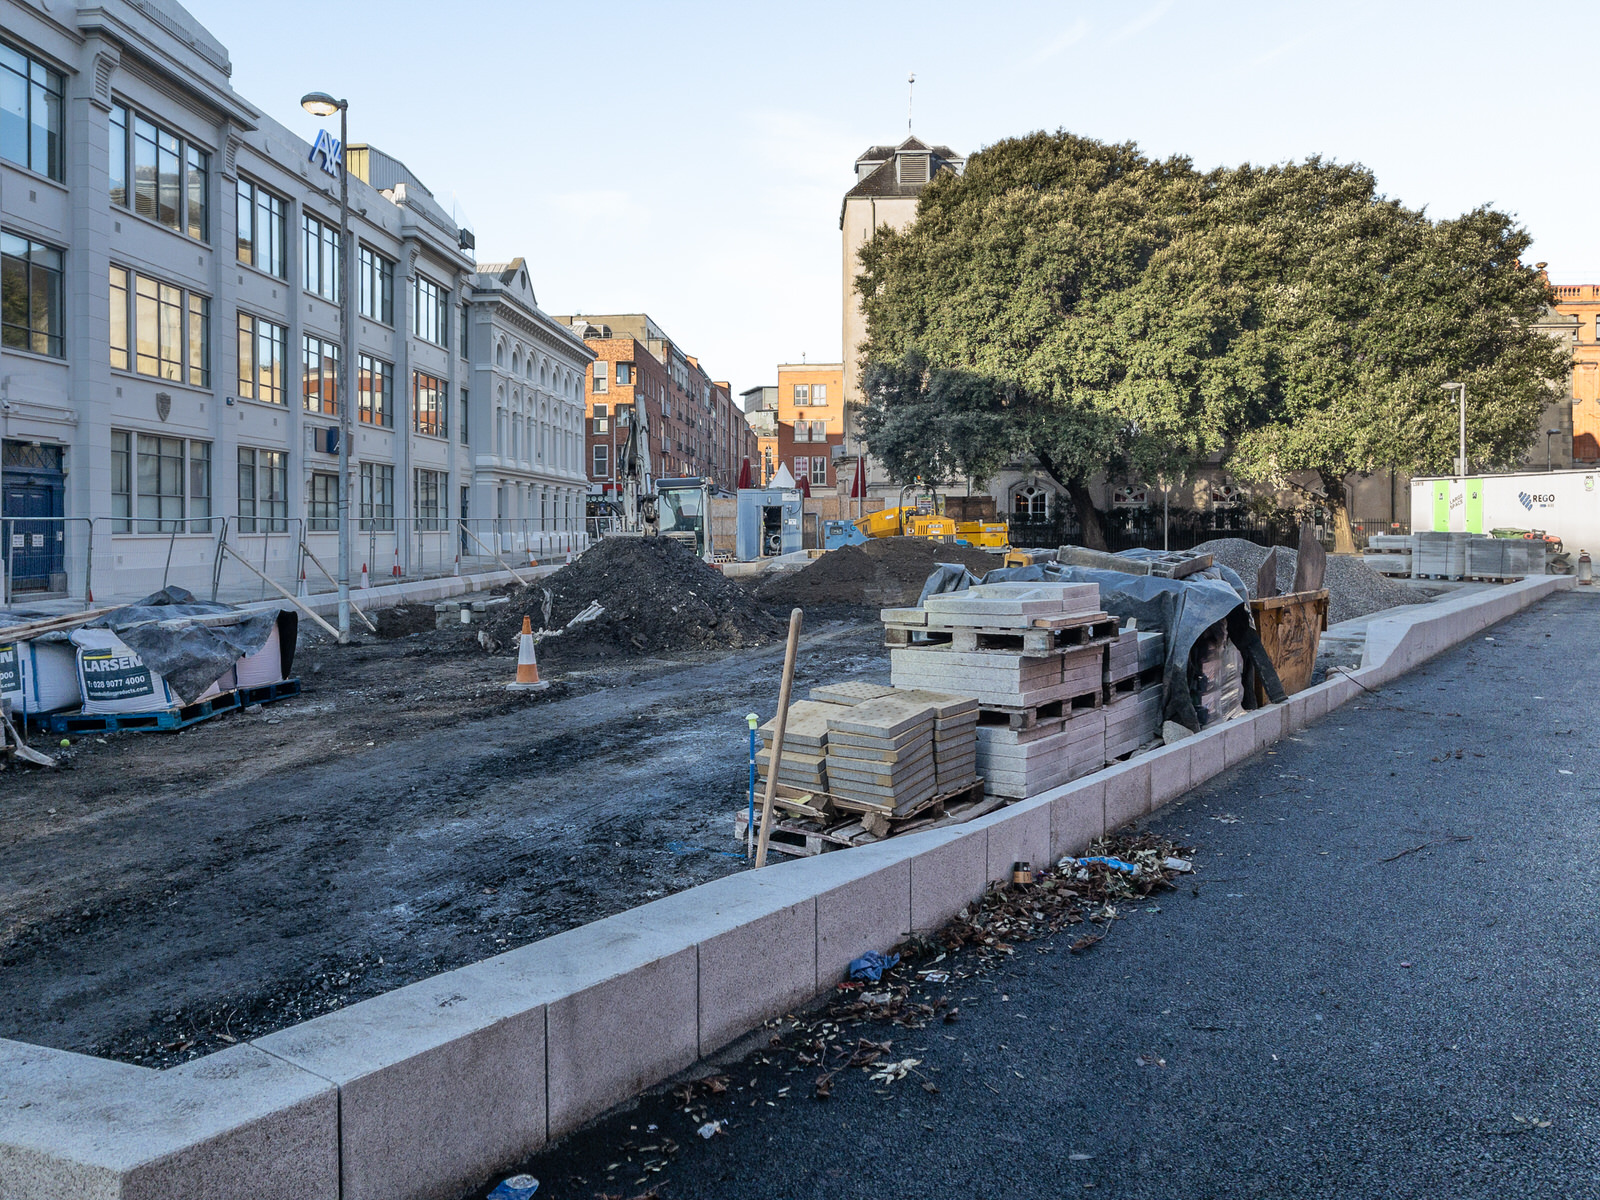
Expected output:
(45, 554)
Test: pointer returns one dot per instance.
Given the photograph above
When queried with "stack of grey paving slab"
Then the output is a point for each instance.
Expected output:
(1039, 721)
(880, 753)
(1504, 558)
(954, 720)
(1133, 691)
(1440, 555)
(1389, 554)
(805, 746)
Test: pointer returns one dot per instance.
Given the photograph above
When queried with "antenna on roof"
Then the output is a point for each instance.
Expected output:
(911, 84)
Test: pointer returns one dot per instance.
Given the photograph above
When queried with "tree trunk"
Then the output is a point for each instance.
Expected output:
(1338, 502)
(1094, 531)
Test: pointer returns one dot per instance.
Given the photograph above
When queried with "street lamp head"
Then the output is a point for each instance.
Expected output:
(1448, 386)
(320, 104)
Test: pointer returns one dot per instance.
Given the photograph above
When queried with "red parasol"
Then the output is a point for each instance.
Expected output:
(858, 485)
(804, 484)
(744, 472)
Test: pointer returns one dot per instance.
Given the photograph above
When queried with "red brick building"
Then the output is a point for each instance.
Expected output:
(693, 425)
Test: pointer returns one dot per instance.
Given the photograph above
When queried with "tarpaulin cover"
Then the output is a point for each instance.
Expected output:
(179, 638)
(1182, 609)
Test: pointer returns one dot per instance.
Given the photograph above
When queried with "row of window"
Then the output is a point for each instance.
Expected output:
(810, 431)
(163, 485)
(813, 467)
(159, 174)
(810, 393)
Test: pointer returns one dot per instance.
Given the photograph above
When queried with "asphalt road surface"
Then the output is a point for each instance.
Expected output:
(1384, 987)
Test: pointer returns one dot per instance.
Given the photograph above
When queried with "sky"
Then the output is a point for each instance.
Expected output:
(689, 159)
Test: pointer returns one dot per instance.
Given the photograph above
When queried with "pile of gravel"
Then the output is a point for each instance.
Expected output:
(1354, 589)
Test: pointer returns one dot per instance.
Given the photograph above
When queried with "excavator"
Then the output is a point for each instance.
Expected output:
(678, 507)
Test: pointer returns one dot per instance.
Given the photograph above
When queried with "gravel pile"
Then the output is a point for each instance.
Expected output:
(656, 598)
(881, 573)
(1354, 590)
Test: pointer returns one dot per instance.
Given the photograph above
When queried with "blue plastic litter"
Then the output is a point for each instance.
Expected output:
(1116, 864)
(872, 965)
(518, 1187)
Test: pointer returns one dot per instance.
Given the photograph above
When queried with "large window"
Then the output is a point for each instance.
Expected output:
(430, 312)
(819, 471)
(163, 482)
(375, 398)
(600, 376)
(819, 393)
(322, 503)
(429, 500)
(263, 490)
(159, 174)
(602, 461)
(320, 375)
(377, 497)
(802, 393)
(263, 354)
(30, 113)
(170, 329)
(30, 296)
(320, 244)
(263, 229)
(602, 421)
(429, 402)
(377, 286)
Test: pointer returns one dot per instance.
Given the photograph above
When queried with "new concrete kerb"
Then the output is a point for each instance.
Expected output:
(428, 1090)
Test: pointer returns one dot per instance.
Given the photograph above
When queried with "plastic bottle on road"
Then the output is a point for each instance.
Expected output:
(518, 1187)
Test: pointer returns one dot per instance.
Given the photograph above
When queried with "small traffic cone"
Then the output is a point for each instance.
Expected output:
(303, 593)
(527, 662)
(397, 562)
(364, 584)
(457, 571)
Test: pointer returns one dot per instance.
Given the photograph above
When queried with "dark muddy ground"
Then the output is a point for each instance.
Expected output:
(167, 894)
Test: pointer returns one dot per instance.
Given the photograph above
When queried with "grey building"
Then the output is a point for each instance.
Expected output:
(170, 344)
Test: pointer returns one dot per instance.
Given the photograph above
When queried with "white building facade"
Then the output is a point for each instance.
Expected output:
(170, 345)
(525, 417)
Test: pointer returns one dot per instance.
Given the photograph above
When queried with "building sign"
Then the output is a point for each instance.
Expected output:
(327, 153)
(108, 676)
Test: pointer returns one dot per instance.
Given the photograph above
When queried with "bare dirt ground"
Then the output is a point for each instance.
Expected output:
(167, 894)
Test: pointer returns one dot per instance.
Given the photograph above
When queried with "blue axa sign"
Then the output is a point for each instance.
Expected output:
(326, 152)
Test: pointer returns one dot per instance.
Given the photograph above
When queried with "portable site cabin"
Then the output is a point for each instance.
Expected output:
(1563, 503)
(769, 523)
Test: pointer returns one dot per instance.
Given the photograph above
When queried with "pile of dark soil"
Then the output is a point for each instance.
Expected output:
(882, 573)
(402, 620)
(657, 598)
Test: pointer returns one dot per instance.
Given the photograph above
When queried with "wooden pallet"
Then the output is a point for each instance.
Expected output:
(1026, 716)
(168, 720)
(1051, 637)
(1129, 684)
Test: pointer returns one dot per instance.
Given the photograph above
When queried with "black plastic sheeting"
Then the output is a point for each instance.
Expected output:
(1181, 609)
(178, 637)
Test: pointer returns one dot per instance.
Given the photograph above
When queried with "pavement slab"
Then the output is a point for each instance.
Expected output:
(1379, 983)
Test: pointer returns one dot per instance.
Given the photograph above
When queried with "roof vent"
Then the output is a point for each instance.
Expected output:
(913, 168)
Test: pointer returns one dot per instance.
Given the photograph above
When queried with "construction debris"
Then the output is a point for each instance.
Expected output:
(1354, 589)
(879, 573)
(653, 596)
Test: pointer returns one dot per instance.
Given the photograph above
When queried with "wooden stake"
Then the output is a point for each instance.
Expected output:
(284, 592)
(782, 719)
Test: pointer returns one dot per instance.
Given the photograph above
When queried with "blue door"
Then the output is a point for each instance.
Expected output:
(35, 537)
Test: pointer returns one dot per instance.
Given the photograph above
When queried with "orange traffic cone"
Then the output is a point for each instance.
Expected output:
(397, 561)
(527, 662)
(364, 584)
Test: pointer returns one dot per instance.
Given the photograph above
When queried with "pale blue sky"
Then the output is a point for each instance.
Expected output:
(688, 159)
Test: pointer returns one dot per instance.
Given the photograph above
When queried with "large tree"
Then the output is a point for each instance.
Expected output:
(1100, 311)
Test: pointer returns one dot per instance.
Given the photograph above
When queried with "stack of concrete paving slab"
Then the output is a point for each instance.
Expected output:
(954, 719)
(805, 746)
(1439, 555)
(1390, 554)
(1503, 559)
(1032, 656)
(1133, 691)
(880, 754)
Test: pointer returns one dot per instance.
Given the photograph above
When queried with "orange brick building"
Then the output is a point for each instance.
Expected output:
(1576, 320)
(811, 421)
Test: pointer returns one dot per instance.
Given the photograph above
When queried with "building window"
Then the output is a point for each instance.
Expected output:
(602, 461)
(602, 419)
(377, 497)
(164, 482)
(322, 504)
(320, 246)
(161, 347)
(766, 464)
(802, 468)
(375, 391)
(819, 393)
(600, 376)
(466, 323)
(263, 490)
(802, 393)
(465, 409)
(819, 471)
(429, 405)
(377, 286)
(263, 352)
(30, 296)
(430, 492)
(319, 383)
(429, 320)
(263, 220)
(624, 373)
(171, 179)
(30, 113)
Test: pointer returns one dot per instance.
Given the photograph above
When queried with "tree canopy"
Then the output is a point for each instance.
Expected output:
(1099, 310)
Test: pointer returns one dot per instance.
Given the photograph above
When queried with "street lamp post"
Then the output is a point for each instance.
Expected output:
(1549, 460)
(320, 104)
(1461, 462)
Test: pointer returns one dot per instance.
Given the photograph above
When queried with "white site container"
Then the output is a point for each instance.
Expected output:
(1563, 503)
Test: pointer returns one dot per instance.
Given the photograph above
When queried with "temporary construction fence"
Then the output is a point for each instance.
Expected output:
(238, 559)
